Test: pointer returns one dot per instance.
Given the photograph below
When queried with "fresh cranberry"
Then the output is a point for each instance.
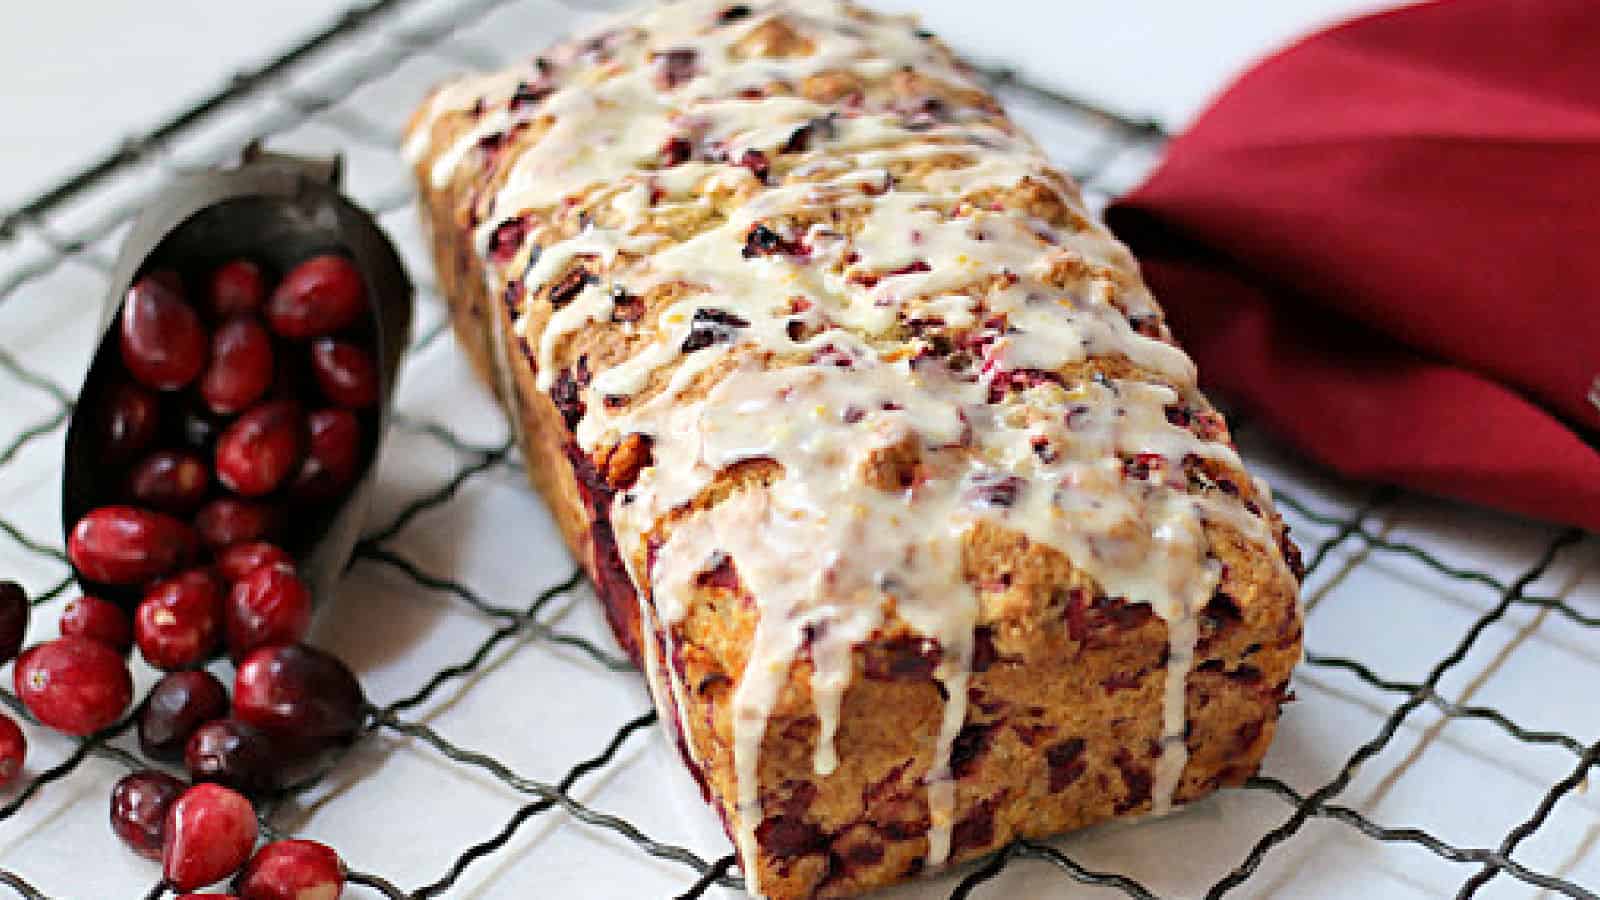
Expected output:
(241, 366)
(239, 560)
(293, 379)
(128, 421)
(345, 372)
(292, 870)
(13, 750)
(14, 615)
(197, 427)
(298, 691)
(178, 704)
(268, 606)
(210, 832)
(234, 754)
(318, 297)
(179, 622)
(167, 278)
(171, 481)
(98, 620)
(163, 342)
(139, 806)
(333, 457)
(208, 897)
(236, 287)
(226, 521)
(128, 545)
(73, 684)
(261, 448)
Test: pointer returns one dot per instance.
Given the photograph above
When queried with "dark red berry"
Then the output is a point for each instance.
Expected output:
(235, 287)
(210, 832)
(758, 164)
(163, 343)
(231, 753)
(98, 620)
(294, 379)
(228, 520)
(73, 684)
(320, 296)
(268, 606)
(712, 326)
(674, 67)
(241, 366)
(139, 806)
(208, 897)
(171, 481)
(239, 560)
(129, 418)
(345, 372)
(571, 285)
(178, 704)
(261, 448)
(763, 241)
(292, 870)
(14, 614)
(198, 428)
(168, 279)
(179, 623)
(127, 545)
(333, 458)
(13, 750)
(507, 239)
(300, 692)
(675, 150)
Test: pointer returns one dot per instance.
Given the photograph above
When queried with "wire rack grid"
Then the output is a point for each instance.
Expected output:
(1442, 743)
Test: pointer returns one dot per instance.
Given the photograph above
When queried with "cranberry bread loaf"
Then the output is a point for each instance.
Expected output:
(873, 442)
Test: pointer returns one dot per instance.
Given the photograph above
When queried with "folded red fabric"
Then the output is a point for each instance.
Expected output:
(1384, 243)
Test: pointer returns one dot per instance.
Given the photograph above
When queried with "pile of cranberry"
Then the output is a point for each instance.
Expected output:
(240, 415)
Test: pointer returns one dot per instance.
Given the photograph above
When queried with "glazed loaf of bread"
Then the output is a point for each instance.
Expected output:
(874, 444)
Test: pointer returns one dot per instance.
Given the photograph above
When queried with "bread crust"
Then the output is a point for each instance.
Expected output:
(1064, 686)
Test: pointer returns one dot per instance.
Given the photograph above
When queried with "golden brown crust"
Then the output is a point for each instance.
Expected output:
(541, 435)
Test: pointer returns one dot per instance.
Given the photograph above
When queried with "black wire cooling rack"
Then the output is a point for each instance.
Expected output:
(364, 96)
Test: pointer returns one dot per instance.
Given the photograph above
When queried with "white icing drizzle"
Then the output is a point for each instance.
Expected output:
(459, 93)
(825, 383)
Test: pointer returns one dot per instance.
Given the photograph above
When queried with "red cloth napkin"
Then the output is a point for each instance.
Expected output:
(1384, 243)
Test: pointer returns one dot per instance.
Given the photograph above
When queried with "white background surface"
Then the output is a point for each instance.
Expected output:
(81, 75)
